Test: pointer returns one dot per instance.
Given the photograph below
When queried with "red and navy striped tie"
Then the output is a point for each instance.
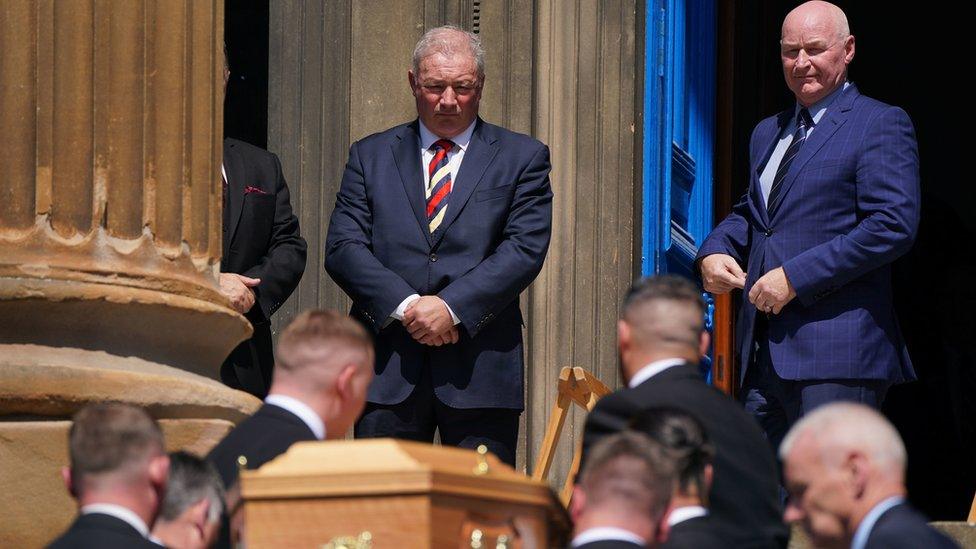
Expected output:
(438, 183)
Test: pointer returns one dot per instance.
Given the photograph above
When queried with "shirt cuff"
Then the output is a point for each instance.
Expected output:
(454, 317)
(402, 307)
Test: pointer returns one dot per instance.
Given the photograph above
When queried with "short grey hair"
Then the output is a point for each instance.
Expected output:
(845, 426)
(446, 40)
(190, 480)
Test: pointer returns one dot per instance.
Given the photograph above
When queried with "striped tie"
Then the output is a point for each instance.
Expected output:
(803, 124)
(438, 183)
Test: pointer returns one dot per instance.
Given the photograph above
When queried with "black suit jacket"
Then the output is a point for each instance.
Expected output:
(902, 527)
(261, 240)
(696, 533)
(101, 531)
(260, 438)
(744, 499)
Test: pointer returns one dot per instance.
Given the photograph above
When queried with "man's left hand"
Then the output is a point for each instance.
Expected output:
(772, 291)
(428, 318)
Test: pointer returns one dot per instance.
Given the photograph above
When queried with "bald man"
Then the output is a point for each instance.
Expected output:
(844, 466)
(833, 201)
(661, 338)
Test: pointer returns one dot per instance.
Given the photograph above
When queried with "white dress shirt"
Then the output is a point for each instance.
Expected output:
(601, 533)
(301, 410)
(682, 514)
(653, 369)
(454, 158)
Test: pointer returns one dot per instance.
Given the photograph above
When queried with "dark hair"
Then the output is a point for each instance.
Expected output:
(684, 438)
(628, 468)
(669, 287)
(190, 480)
(107, 438)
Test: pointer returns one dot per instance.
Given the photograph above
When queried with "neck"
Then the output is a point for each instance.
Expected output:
(636, 362)
(870, 501)
(680, 500)
(632, 522)
(172, 534)
(311, 396)
(143, 506)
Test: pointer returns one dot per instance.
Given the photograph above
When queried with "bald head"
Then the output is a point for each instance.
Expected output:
(818, 15)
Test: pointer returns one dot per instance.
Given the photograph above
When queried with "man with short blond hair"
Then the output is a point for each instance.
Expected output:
(117, 475)
(844, 467)
(322, 371)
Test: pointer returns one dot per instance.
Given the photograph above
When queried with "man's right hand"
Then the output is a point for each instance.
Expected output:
(721, 274)
(237, 288)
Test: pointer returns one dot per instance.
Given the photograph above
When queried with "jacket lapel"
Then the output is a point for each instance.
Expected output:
(234, 166)
(783, 119)
(833, 119)
(481, 151)
(406, 154)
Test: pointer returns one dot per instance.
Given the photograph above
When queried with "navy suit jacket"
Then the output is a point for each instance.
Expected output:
(103, 531)
(489, 247)
(902, 527)
(849, 207)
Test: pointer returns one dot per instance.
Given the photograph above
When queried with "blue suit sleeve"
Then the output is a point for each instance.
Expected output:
(349, 258)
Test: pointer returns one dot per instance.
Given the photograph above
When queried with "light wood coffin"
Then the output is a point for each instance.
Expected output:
(392, 493)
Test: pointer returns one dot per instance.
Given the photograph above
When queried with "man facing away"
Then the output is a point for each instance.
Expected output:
(117, 475)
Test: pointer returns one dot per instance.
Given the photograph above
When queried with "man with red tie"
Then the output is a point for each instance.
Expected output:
(439, 225)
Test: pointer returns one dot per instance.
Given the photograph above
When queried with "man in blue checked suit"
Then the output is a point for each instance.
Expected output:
(439, 225)
(833, 200)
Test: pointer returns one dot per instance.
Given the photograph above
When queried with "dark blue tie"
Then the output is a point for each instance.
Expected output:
(804, 122)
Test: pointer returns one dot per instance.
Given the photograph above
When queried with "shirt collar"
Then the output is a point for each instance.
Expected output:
(119, 512)
(818, 109)
(601, 533)
(867, 524)
(301, 410)
(461, 140)
(689, 512)
(653, 369)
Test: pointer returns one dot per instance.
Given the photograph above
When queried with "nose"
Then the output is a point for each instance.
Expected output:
(802, 59)
(793, 513)
(448, 98)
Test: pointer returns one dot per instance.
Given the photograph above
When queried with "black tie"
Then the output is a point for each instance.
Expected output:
(803, 124)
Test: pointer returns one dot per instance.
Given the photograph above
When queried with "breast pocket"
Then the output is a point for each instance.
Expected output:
(493, 193)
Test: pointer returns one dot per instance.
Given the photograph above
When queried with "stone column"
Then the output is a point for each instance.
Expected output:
(110, 234)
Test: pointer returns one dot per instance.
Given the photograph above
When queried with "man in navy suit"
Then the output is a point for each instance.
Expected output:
(844, 466)
(833, 200)
(438, 226)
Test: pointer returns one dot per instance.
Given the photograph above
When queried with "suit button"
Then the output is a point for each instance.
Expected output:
(433, 258)
(769, 232)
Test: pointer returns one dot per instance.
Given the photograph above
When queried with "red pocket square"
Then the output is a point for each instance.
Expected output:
(255, 190)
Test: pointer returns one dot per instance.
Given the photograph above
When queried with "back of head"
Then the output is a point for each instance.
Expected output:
(843, 427)
(111, 443)
(665, 313)
(316, 345)
(191, 479)
(685, 441)
(628, 473)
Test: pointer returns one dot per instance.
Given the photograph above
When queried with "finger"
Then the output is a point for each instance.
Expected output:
(754, 294)
(248, 281)
(454, 335)
(733, 268)
(777, 308)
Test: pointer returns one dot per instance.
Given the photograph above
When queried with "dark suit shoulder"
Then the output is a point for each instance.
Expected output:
(247, 150)
(696, 533)
(260, 438)
(389, 135)
(102, 531)
(902, 527)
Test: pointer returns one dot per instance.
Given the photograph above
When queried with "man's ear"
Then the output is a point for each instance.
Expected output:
(198, 513)
(159, 470)
(344, 382)
(704, 340)
(69, 481)
(412, 82)
(577, 502)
